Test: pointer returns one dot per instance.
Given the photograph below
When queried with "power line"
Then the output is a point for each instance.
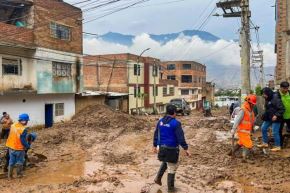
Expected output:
(120, 9)
(204, 10)
(216, 51)
(55, 19)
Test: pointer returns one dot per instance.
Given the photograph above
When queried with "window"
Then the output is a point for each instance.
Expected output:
(137, 69)
(195, 79)
(164, 91)
(171, 77)
(186, 66)
(60, 31)
(60, 69)
(11, 66)
(155, 91)
(171, 67)
(185, 92)
(186, 78)
(171, 91)
(154, 70)
(59, 109)
(135, 92)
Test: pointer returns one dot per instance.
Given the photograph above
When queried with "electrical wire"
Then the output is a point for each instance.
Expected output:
(44, 24)
(118, 10)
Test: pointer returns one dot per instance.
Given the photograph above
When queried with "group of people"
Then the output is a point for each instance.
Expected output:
(18, 142)
(169, 136)
(275, 115)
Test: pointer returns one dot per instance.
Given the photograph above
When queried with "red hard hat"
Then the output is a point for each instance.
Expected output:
(252, 99)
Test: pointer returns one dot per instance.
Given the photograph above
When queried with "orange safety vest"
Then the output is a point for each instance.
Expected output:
(247, 124)
(13, 141)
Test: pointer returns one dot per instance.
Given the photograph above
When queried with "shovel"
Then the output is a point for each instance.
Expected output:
(233, 145)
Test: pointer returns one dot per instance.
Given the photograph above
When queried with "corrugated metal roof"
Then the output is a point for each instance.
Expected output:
(99, 93)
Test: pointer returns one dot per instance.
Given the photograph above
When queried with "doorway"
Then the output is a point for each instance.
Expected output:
(48, 115)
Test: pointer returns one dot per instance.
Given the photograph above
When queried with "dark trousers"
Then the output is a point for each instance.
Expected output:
(5, 133)
(287, 121)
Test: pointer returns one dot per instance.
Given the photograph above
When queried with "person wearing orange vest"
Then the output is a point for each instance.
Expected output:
(17, 144)
(243, 125)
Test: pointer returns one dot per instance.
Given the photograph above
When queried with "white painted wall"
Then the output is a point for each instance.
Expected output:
(35, 106)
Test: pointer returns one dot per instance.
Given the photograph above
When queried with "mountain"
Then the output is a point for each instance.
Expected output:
(127, 40)
(230, 76)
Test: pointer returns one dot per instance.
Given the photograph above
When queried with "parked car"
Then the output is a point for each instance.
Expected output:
(182, 106)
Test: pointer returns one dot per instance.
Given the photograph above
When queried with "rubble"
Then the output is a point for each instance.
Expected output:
(101, 150)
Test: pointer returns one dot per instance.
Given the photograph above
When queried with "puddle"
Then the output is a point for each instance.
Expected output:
(222, 136)
(92, 167)
(55, 173)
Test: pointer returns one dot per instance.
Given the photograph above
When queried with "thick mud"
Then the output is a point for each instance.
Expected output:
(104, 151)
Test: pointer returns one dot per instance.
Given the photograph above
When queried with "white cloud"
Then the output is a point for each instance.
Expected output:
(183, 48)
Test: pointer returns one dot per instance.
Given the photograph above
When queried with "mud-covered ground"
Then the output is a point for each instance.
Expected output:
(104, 151)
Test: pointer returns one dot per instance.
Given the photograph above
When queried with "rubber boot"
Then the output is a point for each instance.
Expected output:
(19, 171)
(10, 172)
(170, 182)
(245, 154)
(234, 150)
(160, 173)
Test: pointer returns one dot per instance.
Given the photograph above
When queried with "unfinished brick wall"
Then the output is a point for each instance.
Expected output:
(61, 13)
(16, 35)
(106, 73)
(282, 38)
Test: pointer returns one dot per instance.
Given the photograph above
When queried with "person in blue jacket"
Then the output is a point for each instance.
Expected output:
(168, 136)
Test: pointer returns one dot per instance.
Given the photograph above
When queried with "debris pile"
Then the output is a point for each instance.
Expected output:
(95, 118)
(216, 123)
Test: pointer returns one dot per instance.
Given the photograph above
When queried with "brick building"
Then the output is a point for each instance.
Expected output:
(40, 58)
(282, 47)
(191, 77)
(131, 74)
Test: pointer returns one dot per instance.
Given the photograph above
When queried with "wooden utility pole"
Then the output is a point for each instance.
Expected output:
(240, 8)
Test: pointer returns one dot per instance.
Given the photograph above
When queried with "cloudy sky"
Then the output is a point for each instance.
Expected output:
(167, 16)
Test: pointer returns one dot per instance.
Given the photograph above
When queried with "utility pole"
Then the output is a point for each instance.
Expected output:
(137, 81)
(155, 73)
(240, 8)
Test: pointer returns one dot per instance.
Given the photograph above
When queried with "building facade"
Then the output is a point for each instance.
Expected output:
(191, 77)
(282, 47)
(41, 59)
(139, 77)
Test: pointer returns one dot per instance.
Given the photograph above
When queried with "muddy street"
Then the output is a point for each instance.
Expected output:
(110, 152)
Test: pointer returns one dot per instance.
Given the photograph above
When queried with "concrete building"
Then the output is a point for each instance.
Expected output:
(40, 58)
(131, 74)
(282, 47)
(191, 77)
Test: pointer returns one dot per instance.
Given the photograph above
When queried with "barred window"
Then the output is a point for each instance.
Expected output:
(171, 91)
(11, 66)
(164, 90)
(59, 109)
(137, 69)
(61, 69)
(171, 67)
(60, 31)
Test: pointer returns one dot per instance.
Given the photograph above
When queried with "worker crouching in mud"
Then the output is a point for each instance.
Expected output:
(17, 144)
(31, 137)
(168, 137)
(243, 125)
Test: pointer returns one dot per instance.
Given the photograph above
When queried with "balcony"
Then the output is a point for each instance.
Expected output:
(193, 97)
(16, 24)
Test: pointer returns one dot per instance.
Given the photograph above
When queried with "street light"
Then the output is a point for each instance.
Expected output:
(137, 83)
